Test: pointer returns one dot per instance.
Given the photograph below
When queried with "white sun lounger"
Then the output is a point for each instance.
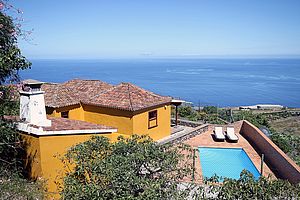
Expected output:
(218, 133)
(231, 135)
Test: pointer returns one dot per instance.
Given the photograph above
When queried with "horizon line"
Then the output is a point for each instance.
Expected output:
(171, 57)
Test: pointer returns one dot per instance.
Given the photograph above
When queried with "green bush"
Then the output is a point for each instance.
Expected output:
(257, 120)
(209, 116)
(210, 109)
(133, 168)
(282, 141)
(186, 111)
(288, 143)
(246, 187)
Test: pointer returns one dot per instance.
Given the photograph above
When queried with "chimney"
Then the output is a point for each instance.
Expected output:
(32, 104)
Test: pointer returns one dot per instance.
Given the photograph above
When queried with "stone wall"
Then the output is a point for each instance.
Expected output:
(282, 166)
(188, 123)
(182, 136)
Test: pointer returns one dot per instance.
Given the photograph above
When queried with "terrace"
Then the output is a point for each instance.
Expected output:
(276, 164)
(206, 139)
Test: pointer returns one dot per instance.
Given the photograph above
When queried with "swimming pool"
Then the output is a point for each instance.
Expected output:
(225, 162)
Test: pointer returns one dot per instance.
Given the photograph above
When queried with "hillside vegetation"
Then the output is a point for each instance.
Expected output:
(289, 124)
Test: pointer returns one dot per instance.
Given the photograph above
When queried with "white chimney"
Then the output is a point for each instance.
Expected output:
(32, 104)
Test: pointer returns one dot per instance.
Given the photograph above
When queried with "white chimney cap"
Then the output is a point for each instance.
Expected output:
(32, 82)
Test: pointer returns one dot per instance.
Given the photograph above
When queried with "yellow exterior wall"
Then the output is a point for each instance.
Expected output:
(43, 155)
(42, 152)
(163, 128)
(122, 120)
(33, 156)
(125, 121)
(75, 112)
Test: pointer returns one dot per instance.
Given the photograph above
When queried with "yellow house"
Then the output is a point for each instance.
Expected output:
(46, 139)
(45, 146)
(77, 110)
(129, 108)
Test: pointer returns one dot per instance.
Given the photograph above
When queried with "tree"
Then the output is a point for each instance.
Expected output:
(11, 59)
(132, 168)
(12, 183)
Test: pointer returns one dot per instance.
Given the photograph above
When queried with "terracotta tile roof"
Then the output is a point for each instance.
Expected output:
(72, 92)
(14, 118)
(124, 96)
(127, 96)
(86, 88)
(63, 124)
(56, 95)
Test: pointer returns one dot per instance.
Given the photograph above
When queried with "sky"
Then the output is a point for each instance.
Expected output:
(160, 28)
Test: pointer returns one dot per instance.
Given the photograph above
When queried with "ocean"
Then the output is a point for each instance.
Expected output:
(218, 82)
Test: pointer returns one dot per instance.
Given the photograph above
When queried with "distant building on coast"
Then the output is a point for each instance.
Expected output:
(262, 107)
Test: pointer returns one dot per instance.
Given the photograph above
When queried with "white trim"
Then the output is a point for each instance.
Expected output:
(177, 101)
(32, 92)
(25, 127)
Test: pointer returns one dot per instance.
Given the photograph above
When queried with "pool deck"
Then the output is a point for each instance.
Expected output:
(206, 139)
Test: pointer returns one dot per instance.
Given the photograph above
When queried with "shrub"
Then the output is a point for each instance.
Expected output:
(133, 168)
(246, 187)
(210, 109)
(257, 120)
(288, 143)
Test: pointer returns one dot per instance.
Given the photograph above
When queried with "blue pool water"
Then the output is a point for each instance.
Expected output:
(225, 162)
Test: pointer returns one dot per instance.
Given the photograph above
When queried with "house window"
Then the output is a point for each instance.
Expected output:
(152, 119)
(64, 114)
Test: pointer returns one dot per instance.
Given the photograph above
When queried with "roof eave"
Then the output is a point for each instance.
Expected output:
(61, 106)
(124, 109)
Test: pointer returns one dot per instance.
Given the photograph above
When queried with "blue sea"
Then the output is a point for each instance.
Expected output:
(218, 82)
